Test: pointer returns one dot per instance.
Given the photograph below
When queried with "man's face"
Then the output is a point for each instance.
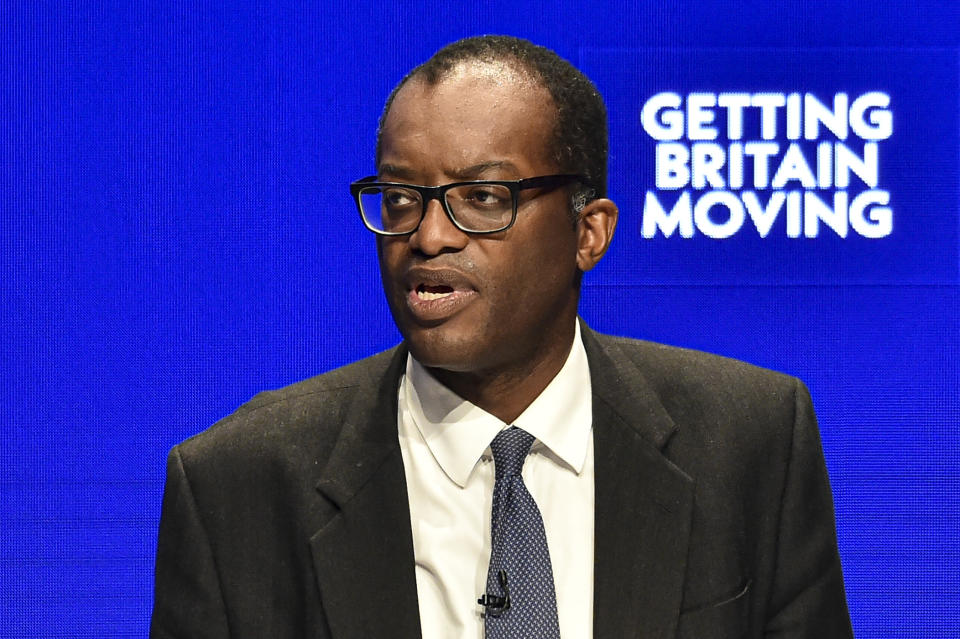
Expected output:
(479, 303)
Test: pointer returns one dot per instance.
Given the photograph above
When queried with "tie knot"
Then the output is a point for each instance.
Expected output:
(510, 448)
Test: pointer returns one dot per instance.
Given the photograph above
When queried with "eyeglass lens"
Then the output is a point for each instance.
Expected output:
(475, 207)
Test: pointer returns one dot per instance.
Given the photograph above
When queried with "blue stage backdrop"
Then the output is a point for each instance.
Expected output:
(176, 233)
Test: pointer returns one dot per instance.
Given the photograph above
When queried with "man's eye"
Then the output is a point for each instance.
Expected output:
(397, 199)
(488, 196)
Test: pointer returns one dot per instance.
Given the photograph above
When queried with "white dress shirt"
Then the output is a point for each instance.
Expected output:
(445, 443)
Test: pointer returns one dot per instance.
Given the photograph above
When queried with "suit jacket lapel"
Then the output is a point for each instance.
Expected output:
(363, 555)
(643, 502)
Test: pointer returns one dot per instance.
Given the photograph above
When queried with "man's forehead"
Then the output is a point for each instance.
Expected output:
(477, 113)
(492, 73)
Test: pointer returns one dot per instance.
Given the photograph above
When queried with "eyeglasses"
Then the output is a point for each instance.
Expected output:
(480, 206)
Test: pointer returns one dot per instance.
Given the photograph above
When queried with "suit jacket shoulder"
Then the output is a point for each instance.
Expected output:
(709, 396)
(311, 409)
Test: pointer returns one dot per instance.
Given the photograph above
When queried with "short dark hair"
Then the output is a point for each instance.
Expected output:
(579, 143)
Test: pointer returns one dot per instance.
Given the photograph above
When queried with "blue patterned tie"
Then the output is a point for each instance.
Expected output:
(520, 572)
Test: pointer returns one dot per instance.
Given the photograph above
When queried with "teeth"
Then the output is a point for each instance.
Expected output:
(427, 295)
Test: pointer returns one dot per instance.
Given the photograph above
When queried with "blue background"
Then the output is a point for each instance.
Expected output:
(176, 234)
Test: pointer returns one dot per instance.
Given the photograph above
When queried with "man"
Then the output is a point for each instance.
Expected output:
(668, 493)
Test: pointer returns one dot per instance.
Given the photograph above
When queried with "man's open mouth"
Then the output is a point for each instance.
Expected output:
(426, 292)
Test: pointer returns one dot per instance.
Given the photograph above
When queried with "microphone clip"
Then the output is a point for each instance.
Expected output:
(495, 604)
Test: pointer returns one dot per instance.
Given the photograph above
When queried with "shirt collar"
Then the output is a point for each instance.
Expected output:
(457, 432)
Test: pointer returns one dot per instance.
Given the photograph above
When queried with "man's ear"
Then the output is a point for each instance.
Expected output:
(595, 226)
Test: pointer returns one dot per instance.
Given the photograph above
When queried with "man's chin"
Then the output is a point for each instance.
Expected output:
(441, 348)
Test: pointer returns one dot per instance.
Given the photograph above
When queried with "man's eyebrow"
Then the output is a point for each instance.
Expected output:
(477, 171)
(395, 171)
(473, 172)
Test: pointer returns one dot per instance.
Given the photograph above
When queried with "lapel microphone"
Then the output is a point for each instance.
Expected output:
(495, 604)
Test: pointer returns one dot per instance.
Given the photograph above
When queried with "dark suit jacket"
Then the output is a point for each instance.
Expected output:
(714, 516)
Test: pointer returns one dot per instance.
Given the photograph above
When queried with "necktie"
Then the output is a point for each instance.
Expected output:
(520, 570)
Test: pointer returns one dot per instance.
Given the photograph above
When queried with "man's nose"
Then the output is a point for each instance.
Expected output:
(437, 234)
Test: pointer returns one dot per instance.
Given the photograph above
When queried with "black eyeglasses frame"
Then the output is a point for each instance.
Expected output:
(428, 193)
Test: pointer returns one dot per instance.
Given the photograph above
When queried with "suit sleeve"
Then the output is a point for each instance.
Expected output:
(807, 599)
(187, 597)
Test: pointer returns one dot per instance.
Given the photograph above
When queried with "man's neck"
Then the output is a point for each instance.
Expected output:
(506, 393)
